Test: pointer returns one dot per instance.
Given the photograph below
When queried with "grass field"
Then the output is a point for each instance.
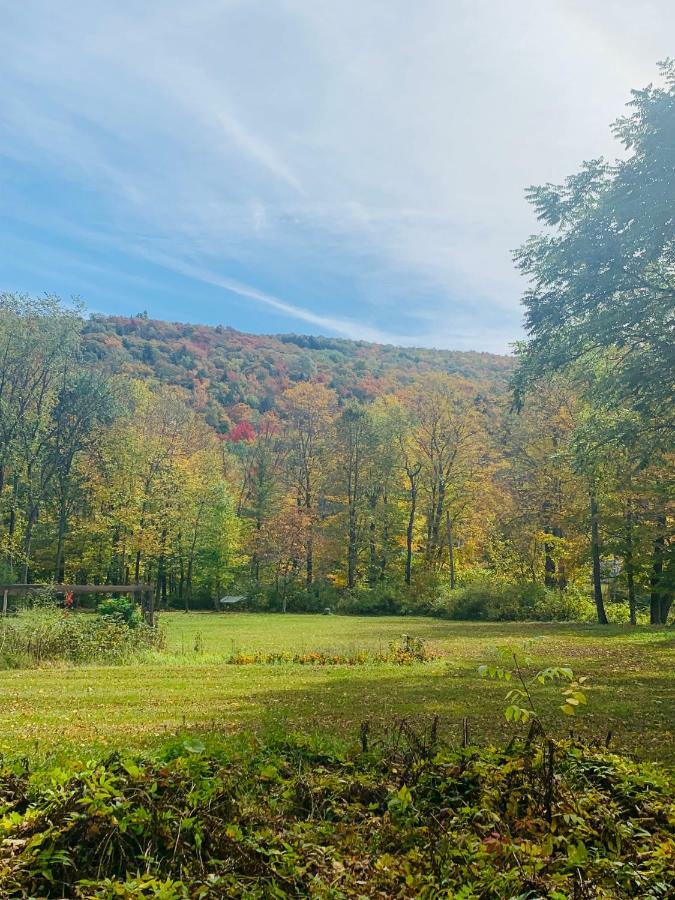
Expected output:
(56, 710)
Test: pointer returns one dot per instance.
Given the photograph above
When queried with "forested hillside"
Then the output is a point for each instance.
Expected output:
(226, 371)
(203, 461)
(314, 472)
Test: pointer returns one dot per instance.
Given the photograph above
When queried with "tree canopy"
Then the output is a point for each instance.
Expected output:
(602, 276)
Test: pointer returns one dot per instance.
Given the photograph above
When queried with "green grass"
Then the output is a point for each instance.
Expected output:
(63, 709)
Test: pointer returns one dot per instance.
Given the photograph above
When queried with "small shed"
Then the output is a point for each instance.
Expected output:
(230, 600)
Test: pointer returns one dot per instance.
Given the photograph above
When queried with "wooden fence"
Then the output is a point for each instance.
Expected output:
(145, 590)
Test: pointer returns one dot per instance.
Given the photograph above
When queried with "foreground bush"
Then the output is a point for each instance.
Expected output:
(411, 819)
(34, 637)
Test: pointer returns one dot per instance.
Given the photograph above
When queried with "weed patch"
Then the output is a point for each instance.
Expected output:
(33, 638)
(403, 652)
(400, 816)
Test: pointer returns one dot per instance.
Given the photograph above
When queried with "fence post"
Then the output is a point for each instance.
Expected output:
(149, 608)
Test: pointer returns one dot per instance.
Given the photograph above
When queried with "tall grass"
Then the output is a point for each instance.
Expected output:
(36, 637)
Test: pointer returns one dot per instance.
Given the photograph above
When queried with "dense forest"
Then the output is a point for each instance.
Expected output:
(310, 472)
(432, 493)
(231, 376)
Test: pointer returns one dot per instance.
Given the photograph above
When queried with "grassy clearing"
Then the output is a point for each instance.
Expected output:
(61, 709)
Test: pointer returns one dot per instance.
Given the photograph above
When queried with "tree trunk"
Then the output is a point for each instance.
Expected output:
(666, 604)
(549, 562)
(595, 553)
(430, 521)
(58, 568)
(372, 544)
(351, 549)
(112, 576)
(451, 549)
(385, 535)
(410, 529)
(310, 557)
(11, 526)
(309, 560)
(255, 559)
(658, 601)
(372, 549)
(28, 543)
(181, 581)
(149, 608)
(561, 580)
(630, 564)
(161, 574)
(437, 544)
(188, 583)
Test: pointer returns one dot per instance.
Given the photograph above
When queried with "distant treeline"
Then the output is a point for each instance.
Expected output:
(322, 499)
(231, 375)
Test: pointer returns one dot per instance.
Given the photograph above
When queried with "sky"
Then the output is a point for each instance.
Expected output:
(341, 167)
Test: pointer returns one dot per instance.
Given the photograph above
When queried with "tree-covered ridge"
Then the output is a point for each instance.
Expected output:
(434, 496)
(226, 371)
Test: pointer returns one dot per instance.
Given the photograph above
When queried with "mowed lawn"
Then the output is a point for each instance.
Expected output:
(190, 686)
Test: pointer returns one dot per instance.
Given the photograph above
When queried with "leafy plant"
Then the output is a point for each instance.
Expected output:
(121, 608)
(290, 817)
(409, 650)
(35, 637)
(520, 699)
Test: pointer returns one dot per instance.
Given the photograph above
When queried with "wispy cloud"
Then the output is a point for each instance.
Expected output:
(343, 327)
(356, 168)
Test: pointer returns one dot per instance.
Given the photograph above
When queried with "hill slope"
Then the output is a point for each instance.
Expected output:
(230, 373)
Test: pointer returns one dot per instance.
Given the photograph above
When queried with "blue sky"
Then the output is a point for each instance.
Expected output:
(344, 167)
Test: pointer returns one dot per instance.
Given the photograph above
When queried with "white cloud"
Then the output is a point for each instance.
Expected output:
(342, 327)
(368, 157)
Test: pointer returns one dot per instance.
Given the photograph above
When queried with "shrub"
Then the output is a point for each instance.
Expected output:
(123, 609)
(485, 600)
(406, 817)
(569, 605)
(34, 637)
(409, 650)
(382, 600)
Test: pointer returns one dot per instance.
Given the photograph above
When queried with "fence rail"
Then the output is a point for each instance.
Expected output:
(142, 588)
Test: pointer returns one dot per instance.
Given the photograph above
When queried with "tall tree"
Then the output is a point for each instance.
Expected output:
(307, 410)
(352, 446)
(38, 348)
(84, 407)
(547, 495)
(603, 276)
(263, 455)
(449, 435)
